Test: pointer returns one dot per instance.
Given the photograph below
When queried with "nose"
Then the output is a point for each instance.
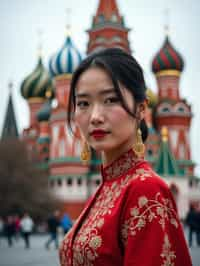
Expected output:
(97, 116)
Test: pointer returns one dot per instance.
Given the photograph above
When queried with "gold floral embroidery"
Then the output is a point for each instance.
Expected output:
(122, 165)
(167, 254)
(88, 239)
(143, 173)
(146, 211)
(95, 242)
(65, 258)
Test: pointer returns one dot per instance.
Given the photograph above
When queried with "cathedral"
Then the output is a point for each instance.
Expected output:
(168, 117)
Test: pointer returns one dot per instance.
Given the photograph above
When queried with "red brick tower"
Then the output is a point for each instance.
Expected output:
(108, 29)
(172, 111)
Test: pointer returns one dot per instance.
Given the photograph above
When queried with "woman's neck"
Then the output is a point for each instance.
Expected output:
(110, 156)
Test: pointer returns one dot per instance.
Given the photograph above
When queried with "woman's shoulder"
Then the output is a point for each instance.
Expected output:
(145, 180)
(146, 188)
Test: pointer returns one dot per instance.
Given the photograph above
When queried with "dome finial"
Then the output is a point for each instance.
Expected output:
(164, 133)
(68, 22)
(167, 21)
(40, 35)
(10, 86)
(167, 58)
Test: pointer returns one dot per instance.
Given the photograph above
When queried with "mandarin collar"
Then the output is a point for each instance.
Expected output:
(121, 165)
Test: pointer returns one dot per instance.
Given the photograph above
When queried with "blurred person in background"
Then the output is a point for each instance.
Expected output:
(192, 223)
(65, 223)
(16, 219)
(198, 225)
(26, 225)
(9, 229)
(53, 223)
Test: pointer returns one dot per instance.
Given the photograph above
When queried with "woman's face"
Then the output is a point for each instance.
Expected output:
(102, 120)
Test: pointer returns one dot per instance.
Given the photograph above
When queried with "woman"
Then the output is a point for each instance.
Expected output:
(132, 218)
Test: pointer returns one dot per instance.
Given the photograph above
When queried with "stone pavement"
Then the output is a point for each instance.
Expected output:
(37, 255)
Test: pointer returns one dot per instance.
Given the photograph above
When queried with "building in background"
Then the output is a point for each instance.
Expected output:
(49, 138)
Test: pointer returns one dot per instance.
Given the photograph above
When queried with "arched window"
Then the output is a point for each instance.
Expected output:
(101, 18)
(181, 108)
(79, 181)
(114, 18)
(181, 151)
(69, 181)
(61, 148)
(59, 181)
(116, 39)
(51, 183)
(100, 40)
(164, 108)
(55, 132)
(78, 147)
(149, 152)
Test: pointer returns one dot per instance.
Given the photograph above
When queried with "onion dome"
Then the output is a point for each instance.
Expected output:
(45, 112)
(167, 58)
(152, 98)
(37, 83)
(66, 60)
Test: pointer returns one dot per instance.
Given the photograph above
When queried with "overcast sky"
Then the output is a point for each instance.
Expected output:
(21, 20)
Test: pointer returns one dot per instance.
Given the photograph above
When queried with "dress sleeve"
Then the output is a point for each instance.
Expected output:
(151, 233)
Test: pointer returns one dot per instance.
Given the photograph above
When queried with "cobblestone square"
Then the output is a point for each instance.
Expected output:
(37, 255)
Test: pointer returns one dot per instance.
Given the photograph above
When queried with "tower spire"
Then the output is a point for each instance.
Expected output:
(10, 126)
(68, 22)
(107, 8)
(167, 21)
(108, 29)
(40, 35)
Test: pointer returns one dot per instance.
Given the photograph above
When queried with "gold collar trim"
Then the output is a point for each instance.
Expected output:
(121, 165)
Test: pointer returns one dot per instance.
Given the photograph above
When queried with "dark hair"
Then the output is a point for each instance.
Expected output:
(122, 68)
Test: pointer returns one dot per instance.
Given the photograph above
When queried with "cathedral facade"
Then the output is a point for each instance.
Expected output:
(168, 118)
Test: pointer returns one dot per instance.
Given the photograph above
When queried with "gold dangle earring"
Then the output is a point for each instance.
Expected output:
(138, 146)
(85, 153)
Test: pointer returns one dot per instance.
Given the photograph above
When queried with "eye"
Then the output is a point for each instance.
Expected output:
(82, 104)
(111, 100)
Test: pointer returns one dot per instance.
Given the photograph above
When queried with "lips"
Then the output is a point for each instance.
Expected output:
(99, 133)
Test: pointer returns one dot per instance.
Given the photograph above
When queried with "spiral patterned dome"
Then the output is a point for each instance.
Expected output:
(38, 83)
(45, 112)
(167, 58)
(66, 60)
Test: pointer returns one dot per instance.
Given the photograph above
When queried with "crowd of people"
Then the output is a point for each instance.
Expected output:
(14, 227)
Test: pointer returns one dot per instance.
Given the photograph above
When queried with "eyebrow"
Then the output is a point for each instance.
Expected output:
(103, 92)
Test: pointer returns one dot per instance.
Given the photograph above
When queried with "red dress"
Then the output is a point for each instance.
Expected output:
(131, 221)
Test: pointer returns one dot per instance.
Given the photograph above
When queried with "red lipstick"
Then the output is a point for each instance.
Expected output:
(98, 133)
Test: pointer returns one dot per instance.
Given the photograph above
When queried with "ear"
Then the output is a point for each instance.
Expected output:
(142, 110)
